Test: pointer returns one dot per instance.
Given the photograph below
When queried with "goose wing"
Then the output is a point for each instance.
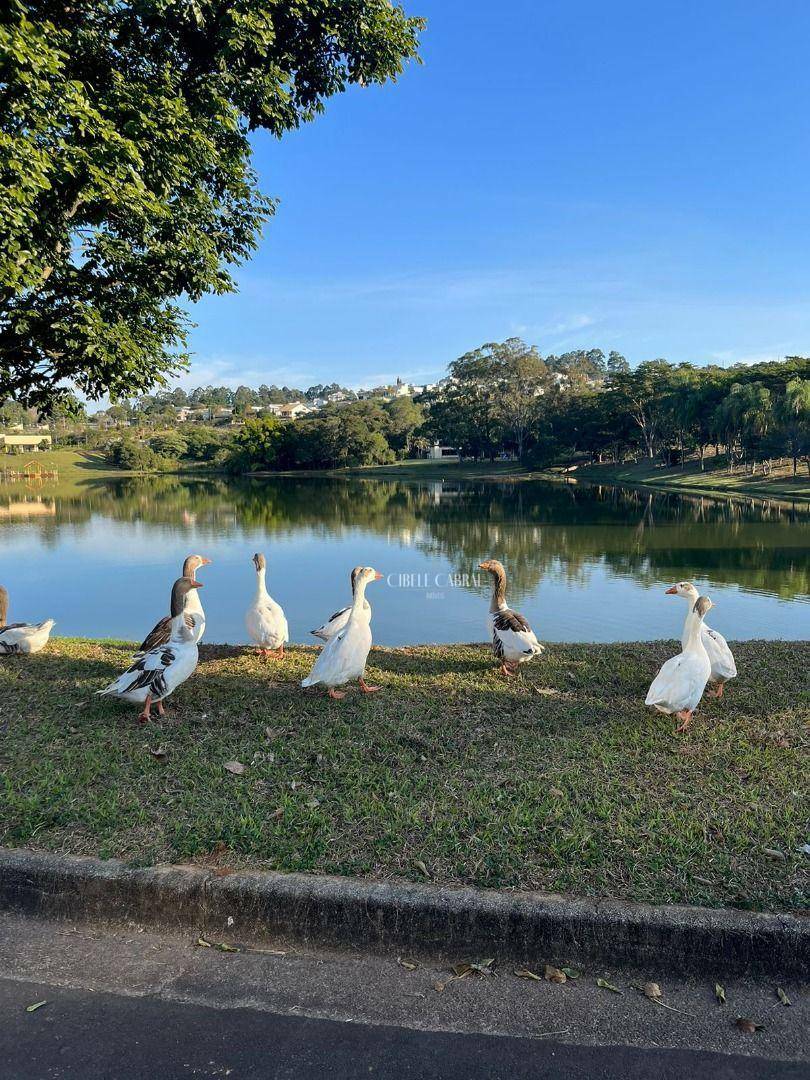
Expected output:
(513, 636)
(333, 624)
(161, 634)
(720, 655)
(147, 672)
(14, 634)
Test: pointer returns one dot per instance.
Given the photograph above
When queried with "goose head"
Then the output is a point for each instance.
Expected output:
(193, 564)
(365, 575)
(355, 574)
(259, 562)
(685, 589)
(493, 567)
(180, 590)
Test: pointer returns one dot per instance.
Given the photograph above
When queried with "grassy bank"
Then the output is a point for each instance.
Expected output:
(429, 469)
(560, 780)
(781, 483)
(71, 465)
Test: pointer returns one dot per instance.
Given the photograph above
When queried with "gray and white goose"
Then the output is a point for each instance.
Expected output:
(513, 640)
(155, 674)
(16, 638)
(162, 630)
(335, 623)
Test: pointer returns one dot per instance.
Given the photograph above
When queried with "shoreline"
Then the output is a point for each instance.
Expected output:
(80, 468)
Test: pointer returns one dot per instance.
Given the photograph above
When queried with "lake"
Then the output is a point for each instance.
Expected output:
(585, 563)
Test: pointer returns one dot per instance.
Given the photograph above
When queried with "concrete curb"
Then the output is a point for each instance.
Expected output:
(400, 917)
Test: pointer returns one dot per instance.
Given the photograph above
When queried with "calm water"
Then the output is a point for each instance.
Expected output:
(585, 563)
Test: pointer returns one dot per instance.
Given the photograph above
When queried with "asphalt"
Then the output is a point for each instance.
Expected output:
(127, 1002)
(93, 1036)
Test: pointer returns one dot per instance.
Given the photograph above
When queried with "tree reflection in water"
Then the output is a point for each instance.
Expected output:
(537, 529)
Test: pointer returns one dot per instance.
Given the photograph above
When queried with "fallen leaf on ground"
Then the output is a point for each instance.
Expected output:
(235, 767)
(652, 991)
(409, 965)
(278, 812)
(159, 752)
(720, 993)
(607, 986)
(222, 946)
(420, 866)
(748, 1026)
(483, 967)
(553, 974)
(558, 793)
(35, 1006)
(774, 853)
(572, 973)
(780, 993)
(524, 973)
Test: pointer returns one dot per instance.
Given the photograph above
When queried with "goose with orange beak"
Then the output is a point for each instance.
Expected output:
(679, 685)
(161, 632)
(155, 674)
(344, 656)
(513, 640)
(720, 655)
(265, 619)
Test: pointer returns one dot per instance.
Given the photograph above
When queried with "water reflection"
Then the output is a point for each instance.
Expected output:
(580, 538)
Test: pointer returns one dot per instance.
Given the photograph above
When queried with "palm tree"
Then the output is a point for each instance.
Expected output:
(794, 414)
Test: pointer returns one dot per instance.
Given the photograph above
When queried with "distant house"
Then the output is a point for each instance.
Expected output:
(293, 409)
(443, 453)
(24, 444)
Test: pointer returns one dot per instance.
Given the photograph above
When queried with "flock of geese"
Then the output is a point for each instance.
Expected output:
(169, 653)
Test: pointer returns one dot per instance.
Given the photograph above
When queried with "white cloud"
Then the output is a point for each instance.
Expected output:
(236, 371)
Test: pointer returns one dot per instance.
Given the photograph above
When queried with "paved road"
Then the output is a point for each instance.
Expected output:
(129, 1002)
(90, 1036)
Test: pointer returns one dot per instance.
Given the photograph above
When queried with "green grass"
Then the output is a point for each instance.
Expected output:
(780, 484)
(430, 469)
(559, 780)
(71, 464)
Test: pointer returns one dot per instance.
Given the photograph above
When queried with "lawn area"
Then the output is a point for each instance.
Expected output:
(780, 484)
(72, 465)
(431, 469)
(560, 780)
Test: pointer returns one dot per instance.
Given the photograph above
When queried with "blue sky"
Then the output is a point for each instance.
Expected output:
(629, 176)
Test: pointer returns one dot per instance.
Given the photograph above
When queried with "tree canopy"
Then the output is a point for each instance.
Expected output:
(126, 186)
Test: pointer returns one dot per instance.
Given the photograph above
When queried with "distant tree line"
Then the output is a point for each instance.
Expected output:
(507, 398)
(499, 399)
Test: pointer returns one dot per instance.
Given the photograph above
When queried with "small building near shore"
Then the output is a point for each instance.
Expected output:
(24, 444)
(444, 453)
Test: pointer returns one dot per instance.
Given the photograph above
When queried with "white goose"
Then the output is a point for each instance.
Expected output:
(162, 630)
(513, 640)
(264, 619)
(720, 655)
(335, 623)
(679, 685)
(21, 637)
(156, 673)
(344, 656)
